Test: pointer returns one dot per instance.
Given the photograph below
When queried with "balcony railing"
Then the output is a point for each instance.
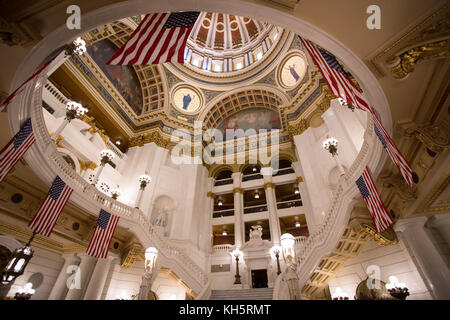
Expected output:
(254, 209)
(222, 182)
(223, 248)
(284, 171)
(223, 213)
(289, 204)
(252, 176)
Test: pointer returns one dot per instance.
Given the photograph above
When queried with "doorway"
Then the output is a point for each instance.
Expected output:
(259, 278)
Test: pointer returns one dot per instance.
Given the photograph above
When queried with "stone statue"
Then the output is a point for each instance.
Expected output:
(256, 233)
(160, 220)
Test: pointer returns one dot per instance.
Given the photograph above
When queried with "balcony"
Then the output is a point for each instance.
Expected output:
(223, 213)
(284, 171)
(254, 209)
(222, 182)
(289, 204)
(253, 176)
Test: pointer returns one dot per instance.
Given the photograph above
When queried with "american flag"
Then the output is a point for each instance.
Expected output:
(16, 92)
(159, 38)
(45, 218)
(101, 239)
(380, 216)
(16, 148)
(341, 84)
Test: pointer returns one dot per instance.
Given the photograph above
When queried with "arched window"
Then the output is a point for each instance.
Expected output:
(284, 167)
(223, 177)
(251, 172)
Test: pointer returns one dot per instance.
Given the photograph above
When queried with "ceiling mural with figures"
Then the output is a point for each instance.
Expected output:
(123, 78)
(267, 80)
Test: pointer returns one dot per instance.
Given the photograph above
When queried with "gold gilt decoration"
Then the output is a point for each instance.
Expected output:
(84, 165)
(402, 65)
(58, 140)
(431, 136)
(93, 127)
(385, 238)
(299, 128)
(322, 106)
(130, 256)
(269, 185)
(148, 137)
(299, 179)
(211, 195)
(238, 190)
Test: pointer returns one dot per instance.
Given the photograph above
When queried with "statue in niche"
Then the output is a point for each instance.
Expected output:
(160, 220)
(256, 232)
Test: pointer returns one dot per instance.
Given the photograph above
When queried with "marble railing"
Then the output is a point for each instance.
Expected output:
(90, 198)
(223, 248)
(311, 250)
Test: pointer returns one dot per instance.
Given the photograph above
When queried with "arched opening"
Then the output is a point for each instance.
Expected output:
(224, 177)
(251, 172)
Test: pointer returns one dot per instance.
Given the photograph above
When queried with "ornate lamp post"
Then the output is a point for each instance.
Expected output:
(339, 295)
(115, 193)
(151, 255)
(106, 156)
(331, 144)
(287, 241)
(25, 293)
(397, 289)
(18, 262)
(73, 109)
(237, 253)
(276, 252)
(144, 181)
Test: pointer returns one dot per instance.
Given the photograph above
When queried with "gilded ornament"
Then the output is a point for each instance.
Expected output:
(403, 64)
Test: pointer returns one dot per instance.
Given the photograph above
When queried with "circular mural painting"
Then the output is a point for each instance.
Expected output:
(293, 71)
(186, 99)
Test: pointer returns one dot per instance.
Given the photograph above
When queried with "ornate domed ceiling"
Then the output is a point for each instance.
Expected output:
(226, 43)
(231, 64)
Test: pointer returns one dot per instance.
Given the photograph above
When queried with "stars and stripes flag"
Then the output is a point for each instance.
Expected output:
(103, 233)
(45, 218)
(19, 90)
(380, 216)
(340, 83)
(159, 38)
(16, 148)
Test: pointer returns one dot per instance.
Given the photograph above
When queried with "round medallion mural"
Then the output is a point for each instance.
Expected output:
(187, 99)
(292, 71)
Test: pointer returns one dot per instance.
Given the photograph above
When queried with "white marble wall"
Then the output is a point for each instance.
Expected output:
(392, 260)
(45, 262)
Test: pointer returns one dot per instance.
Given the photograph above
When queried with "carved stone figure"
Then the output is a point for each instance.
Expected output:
(160, 220)
(256, 233)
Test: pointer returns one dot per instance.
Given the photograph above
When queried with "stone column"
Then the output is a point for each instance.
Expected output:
(271, 200)
(441, 222)
(211, 198)
(435, 271)
(98, 279)
(84, 272)
(238, 209)
(306, 203)
(60, 287)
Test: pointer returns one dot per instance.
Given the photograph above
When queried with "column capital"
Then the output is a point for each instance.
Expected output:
(70, 257)
(299, 179)
(238, 190)
(211, 195)
(403, 224)
(268, 185)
